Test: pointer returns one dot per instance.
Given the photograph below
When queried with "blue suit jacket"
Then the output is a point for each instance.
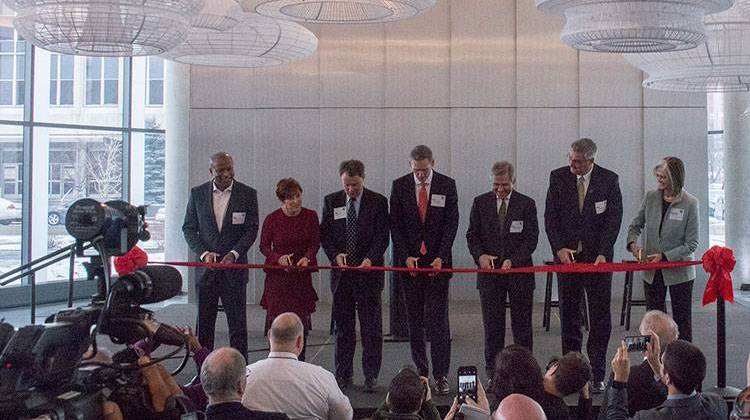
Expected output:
(372, 233)
(701, 406)
(597, 226)
(202, 232)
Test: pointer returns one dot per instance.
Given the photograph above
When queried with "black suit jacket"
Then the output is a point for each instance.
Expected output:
(484, 233)
(372, 234)
(701, 406)
(237, 411)
(597, 226)
(439, 229)
(202, 232)
(643, 391)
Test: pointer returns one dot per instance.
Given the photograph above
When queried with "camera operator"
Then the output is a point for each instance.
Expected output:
(409, 396)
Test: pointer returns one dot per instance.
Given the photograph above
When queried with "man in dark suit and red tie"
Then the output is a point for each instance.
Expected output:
(502, 234)
(221, 223)
(354, 233)
(424, 221)
(582, 218)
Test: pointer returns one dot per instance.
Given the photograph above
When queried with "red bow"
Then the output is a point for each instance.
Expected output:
(719, 263)
(132, 260)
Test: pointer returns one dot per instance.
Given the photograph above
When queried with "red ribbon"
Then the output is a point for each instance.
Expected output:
(132, 260)
(719, 263)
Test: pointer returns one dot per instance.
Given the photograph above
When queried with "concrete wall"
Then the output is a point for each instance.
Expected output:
(477, 81)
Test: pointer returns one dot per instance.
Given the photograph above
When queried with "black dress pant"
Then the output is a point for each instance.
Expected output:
(210, 288)
(357, 295)
(598, 287)
(492, 294)
(682, 299)
(425, 294)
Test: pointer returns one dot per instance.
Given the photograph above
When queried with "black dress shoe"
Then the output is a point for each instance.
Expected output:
(441, 386)
(597, 387)
(344, 383)
(370, 384)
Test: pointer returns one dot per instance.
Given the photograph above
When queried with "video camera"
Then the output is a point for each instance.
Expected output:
(47, 371)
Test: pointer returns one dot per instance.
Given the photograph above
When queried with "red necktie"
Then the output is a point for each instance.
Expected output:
(423, 211)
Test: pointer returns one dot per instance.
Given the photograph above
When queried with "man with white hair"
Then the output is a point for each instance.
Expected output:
(283, 383)
(518, 407)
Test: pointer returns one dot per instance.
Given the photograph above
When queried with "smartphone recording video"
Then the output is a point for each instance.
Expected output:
(637, 342)
(467, 382)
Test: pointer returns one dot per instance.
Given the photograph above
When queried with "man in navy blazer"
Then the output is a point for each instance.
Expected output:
(354, 233)
(424, 221)
(221, 223)
(582, 218)
(503, 233)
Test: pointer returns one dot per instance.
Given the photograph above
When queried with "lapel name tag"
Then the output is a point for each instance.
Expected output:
(600, 206)
(516, 226)
(339, 213)
(238, 218)
(438, 200)
(677, 214)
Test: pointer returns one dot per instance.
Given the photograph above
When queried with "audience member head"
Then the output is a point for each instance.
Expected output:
(221, 168)
(518, 407)
(567, 375)
(223, 375)
(421, 162)
(670, 175)
(517, 372)
(581, 156)
(741, 409)
(406, 392)
(683, 367)
(660, 324)
(287, 334)
(352, 173)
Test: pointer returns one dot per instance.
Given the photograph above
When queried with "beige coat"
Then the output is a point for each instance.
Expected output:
(679, 233)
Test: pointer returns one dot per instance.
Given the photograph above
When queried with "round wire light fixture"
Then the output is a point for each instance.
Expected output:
(256, 41)
(341, 11)
(218, 15)
(630, 26)
(104, 27)
(720, 64)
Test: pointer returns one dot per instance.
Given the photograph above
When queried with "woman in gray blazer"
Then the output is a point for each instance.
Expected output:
(668, 222)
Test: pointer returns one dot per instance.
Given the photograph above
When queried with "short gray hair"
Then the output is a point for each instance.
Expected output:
(421, 152)
(585, 146)
(662, 325)
(222, 372)
(504, 168)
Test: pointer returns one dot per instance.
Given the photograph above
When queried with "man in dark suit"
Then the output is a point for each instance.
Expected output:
(354, 233)
(582, 218)
(223, 380)
(682, 368)
(221, 223)
(503, 233)
(424, 221)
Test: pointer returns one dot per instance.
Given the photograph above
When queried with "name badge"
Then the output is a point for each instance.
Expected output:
(238, 218)
(600, 206)
(516, 226)
(677, 214)
(339, 213)
(438, 200)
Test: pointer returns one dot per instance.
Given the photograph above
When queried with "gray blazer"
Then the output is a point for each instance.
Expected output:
(701, 406)
(679, 233)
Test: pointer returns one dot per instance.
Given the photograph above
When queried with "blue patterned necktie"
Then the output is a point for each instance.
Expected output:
(351, 229)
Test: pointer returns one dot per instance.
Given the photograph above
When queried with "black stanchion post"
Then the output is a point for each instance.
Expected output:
(727, 392)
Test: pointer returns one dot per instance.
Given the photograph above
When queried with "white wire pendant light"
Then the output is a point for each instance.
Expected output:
(256, 41)
(104, 27)
(339, 11)
(629, 26)
(219, 15)
(720, 64)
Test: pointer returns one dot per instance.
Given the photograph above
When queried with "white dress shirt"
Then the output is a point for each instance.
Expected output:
(283, 384)
(220, 203)
(418, 185)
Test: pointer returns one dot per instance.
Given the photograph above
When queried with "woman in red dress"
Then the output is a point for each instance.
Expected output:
(290, 237)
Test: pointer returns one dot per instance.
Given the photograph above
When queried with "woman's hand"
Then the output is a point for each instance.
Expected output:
(303, 262)
(285, 260)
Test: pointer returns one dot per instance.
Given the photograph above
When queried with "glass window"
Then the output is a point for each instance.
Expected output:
(61, 79)
(715, 154)
(11, 162)
(155, 81)
(102, 80)
(12, 66)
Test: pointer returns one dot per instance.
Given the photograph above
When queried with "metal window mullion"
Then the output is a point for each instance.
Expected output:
(127, 124)
(28, 153)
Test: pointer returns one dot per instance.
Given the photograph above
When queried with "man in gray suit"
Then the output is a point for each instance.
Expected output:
(682, 368)
(221, 222)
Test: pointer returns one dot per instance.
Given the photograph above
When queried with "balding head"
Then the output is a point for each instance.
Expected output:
(518, 407)
(223, 375)
(287, 333)
(662, 325)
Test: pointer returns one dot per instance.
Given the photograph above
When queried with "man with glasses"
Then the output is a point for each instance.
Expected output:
(582, 218)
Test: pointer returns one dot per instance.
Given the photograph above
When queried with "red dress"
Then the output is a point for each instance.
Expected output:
(289, 291)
